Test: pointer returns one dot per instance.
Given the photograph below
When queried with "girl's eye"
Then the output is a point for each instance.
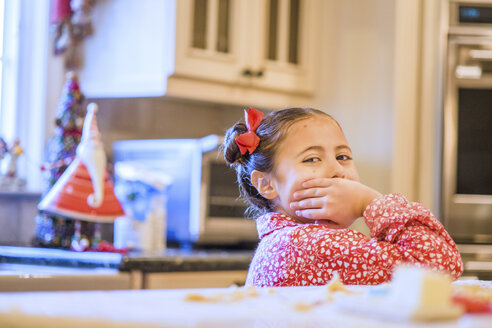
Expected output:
(343, 158)
(312, 160)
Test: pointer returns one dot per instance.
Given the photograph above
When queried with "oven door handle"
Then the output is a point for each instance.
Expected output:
(481, 54)
(468, 72)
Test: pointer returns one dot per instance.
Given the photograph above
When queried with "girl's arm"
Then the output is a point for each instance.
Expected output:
(414, 232)
(401, 231)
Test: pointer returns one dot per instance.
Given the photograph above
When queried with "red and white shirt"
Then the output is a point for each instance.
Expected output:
(295, 254)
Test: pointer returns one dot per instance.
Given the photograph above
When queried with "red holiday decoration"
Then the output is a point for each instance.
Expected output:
(71, 21)
(84, 191)
(60, 10)
(69, 197)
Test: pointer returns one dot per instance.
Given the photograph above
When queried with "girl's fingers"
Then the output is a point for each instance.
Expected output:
(310, 193)
(312, 214)
(309, 203)
(314, 188)
(317, 182)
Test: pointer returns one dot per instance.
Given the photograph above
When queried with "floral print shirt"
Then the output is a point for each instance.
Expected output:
(295, 254)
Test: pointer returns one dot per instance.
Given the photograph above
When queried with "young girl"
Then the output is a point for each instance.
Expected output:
(296, 169)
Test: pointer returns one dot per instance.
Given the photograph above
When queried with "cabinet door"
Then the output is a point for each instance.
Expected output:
(206, 279)
(287, 44)
(209, 41)
(131, 53)
(265, 44)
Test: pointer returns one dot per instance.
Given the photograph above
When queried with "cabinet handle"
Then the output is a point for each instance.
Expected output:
(251, 73)
(247, 72)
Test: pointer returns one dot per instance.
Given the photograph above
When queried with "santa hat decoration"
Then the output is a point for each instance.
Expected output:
(91, 153)
(84, 191)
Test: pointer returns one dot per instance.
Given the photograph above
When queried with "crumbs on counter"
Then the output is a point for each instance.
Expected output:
(335, 285)
(235, 294)
(303, 306)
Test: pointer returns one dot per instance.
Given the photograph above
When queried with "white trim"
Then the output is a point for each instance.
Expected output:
(32, 84)
(39, 79)
(407, 97)
(433, 49)
(25, 81)
(31, 97)
(420, 42)
(9, 71)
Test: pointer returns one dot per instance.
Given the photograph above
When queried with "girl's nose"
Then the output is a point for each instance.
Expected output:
(336, 170)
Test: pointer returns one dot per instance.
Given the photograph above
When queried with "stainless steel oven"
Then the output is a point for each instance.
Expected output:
(467, 126)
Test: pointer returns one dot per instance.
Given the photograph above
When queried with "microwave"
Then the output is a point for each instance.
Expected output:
(203, 205)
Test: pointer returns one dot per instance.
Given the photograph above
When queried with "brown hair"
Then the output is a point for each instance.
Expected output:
(271, 131)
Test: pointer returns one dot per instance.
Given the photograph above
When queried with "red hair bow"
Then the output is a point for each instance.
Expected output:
(248, 141)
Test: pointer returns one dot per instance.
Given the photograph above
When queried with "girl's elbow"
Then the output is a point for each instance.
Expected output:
(457, 268)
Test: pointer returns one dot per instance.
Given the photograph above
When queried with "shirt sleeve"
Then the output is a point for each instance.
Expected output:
(414, 233)
(401, 231)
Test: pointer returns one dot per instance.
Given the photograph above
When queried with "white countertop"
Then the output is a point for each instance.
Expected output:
(170, 308)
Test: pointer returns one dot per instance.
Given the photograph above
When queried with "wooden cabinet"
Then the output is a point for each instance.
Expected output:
(253, 43)
(199, 279)
(25, 277)
(131, 52)
(229, 51)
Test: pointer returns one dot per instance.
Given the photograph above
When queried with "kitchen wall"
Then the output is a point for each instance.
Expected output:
(156, 118)
(357, 78)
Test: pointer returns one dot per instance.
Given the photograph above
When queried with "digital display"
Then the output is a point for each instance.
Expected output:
(475, 14)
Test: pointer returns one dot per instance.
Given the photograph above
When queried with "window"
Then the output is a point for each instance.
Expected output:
(8, 66)
(2, 64)
(2, 21)
(24, 61)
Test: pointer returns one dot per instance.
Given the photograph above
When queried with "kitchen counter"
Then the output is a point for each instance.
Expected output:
(58, 258)
(175, 260)
(170, 260)
(225, 307)
(46, 269)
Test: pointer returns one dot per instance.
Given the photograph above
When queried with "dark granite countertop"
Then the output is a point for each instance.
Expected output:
(170, 260)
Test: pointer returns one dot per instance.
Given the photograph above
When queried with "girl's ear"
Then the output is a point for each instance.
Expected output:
(264, 184)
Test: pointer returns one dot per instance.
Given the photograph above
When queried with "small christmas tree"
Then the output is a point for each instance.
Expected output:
(55, 231)
(68, 131)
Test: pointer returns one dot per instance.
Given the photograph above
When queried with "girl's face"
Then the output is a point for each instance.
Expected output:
(312, 148)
